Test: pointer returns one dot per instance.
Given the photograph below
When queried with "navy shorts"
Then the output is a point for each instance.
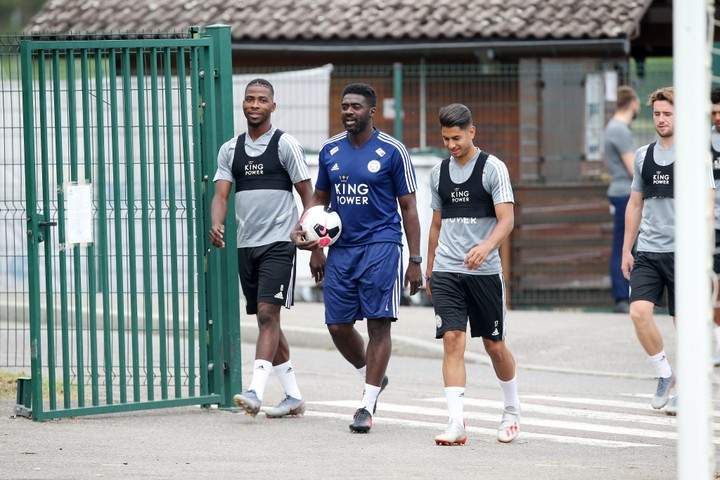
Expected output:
(362, 282)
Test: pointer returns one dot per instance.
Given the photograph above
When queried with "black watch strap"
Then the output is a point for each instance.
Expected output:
(415, 259)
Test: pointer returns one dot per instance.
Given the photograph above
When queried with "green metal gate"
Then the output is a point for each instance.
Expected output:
(129, 307)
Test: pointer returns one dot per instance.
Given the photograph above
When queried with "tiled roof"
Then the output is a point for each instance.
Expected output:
(348, 20)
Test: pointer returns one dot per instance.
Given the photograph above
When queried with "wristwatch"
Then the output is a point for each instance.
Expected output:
(415, 259)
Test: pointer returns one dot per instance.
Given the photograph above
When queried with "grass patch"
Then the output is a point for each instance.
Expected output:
(8, 386)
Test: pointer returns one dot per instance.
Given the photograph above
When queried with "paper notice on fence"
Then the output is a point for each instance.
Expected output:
(78, 213)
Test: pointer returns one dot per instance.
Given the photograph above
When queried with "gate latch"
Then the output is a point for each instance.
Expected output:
(41, 222)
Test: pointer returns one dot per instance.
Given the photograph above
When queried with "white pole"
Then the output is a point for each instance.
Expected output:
(693, 238)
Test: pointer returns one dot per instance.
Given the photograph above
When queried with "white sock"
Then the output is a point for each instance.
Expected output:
(261, 372)
(661, 365)
(370, 395)
(510, 393)
(717, 338)
(361, 372)
(286, 375)
(455, 397)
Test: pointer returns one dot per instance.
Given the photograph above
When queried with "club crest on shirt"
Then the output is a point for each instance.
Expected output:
(373, 166)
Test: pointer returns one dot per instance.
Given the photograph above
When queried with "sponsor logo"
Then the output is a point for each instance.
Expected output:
(463, 220)
(335, 168)
(438, 321)
(334, 150)
(460, 196)
(351, 193)
(252, 168)
(373, 166)
(279, 295)
(380, 152)
(495, 332)
(661, 178)
(716, 164)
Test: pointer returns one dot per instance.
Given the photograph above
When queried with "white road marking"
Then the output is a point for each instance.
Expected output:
(590, 442)
(645, 406)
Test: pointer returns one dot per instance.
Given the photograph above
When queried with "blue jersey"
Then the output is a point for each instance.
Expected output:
(364, 185)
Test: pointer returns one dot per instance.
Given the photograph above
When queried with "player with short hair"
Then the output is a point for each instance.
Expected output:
(651, 213)
(619, 155)
(364, 174)
(472, 202)
(264, 164)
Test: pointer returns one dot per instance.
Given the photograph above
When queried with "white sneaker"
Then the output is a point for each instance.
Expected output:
(509, 427)
(672, 407)
(454, 434)
(716, 359)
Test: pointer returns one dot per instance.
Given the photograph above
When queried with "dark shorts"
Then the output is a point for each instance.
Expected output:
(364, 281)
(459, 297)
(651, 276)
(267, 274)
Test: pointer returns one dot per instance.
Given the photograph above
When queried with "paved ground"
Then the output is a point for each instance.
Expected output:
(583, 382)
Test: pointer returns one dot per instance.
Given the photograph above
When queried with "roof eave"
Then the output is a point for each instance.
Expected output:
(597, 46)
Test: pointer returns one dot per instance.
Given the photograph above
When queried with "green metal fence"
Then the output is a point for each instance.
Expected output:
(129, 309)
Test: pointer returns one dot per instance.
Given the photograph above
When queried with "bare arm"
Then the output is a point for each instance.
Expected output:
(633, 215)
(411, 224)
(505, 222)
(628, 159)
(310, 199)
(218, 211)
(433, 237)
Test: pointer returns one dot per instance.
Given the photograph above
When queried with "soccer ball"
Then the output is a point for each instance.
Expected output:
(321, 224)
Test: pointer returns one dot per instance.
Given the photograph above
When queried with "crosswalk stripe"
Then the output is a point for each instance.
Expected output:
(537, 422)
(591, 442)
(645, 406)
(653, 418)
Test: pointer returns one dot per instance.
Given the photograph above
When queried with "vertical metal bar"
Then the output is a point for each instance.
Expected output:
(47, 244)
(59, 175)
(157, 183)
(145, 227)
(77, 280)
(397, 96)
(693, 237)
(117, 221)
(130, 196)
(32, 227)
(215, 267)
(200, 193)
(187, 173)
(102, 225)
(172, 206)
(423, 104)
(90, 251)
(229, 319)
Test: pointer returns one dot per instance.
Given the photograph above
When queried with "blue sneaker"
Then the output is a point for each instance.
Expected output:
(289, 406)
(662, 394)
(248, 401)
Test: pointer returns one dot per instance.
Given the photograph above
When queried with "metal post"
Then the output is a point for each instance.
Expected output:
(230, 323)
(32, 228)
(423, 104)
(693, 239)
(397, 96)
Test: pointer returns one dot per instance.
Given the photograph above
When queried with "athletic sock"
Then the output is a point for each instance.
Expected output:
(361, 371)
(261, 372)
(661, 365)
(286, 375)
(455, 397)
(510, 393)
(370, 395)
(717, 339)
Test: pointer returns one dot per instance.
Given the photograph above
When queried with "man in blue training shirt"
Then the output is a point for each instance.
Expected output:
(364, 174)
